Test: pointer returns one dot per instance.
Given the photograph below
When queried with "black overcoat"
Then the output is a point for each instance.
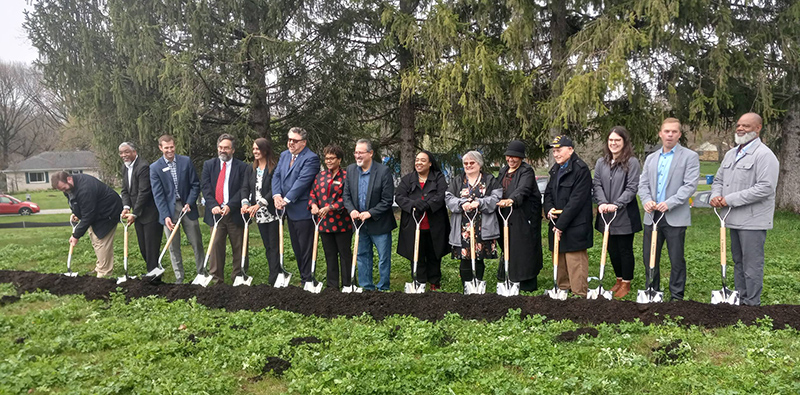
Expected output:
(572, 192)
(409, 191)
(96, 204)
(525, 224)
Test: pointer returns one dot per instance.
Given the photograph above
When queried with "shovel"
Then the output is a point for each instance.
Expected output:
(650, 295)
(599, 291)
(724, 295)
(352, 287)
(415, 287)
(314, 286)
(69, 272)
(124, 278)
(283, 276)
(244, 279)
(204, 278)
(556, 293)
(159, 270)
(474, 287)
(507, 287)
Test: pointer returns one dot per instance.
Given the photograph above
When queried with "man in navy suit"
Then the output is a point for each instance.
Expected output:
(291, 185)
(138, 206)
(176, 187)
(222, 184)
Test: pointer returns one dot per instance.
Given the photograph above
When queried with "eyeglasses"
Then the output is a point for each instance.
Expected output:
(470, 163)
(293, 141)
(359, 153)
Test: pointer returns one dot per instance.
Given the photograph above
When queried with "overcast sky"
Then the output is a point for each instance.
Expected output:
(14, 43)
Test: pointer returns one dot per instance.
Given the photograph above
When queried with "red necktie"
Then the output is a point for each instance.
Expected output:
(219, 193)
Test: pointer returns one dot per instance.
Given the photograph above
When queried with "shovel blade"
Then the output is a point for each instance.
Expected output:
(153, 274)
(313, 286)
(510, 289)
(415, 288)
(202, 280)
(474, 287)
(725, 296)
(122, 279)
(597, 293)
(282, 280)
(242, 280)
(649, 296)
(557, 294)
(70, 274)
(352, 289)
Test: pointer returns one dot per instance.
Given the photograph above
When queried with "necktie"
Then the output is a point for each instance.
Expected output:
(291, 163)
(219, 193)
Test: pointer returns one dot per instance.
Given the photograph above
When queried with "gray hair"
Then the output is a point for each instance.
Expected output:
(128, 144)
(367, 142)
(300, 131)
(226, 136)
(475, 156)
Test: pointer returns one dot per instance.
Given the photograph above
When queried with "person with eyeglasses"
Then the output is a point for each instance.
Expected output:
(368, 196)
(474, 190)
(291, 185)
(335, 227)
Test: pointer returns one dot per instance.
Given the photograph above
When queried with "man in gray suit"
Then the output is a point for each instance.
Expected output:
(669, 178)
(746, 182)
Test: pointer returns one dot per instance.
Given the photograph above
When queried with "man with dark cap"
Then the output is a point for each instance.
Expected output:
(521, 196)
(570, 190)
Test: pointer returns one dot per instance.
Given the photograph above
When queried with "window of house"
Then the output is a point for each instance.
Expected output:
(76, 172)
(36, 177)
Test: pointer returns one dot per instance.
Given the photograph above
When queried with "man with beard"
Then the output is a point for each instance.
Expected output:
(669, 178)
(222, 183)
(138, 207)
(368, 196)
(97, 206)
(746, 182)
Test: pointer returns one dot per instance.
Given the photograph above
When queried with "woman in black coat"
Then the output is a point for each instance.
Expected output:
(257, 202)
(521, 193)
(423, 190)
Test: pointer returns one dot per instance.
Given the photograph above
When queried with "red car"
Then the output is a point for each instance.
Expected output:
(12, 205)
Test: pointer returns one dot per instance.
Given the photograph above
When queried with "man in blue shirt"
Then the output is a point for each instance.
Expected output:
(669, 178)
(368, 197)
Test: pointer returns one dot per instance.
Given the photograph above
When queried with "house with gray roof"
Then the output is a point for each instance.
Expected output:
(34, 173)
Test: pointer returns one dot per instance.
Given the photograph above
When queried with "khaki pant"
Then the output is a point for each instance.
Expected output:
(104, 249)
(573, 269)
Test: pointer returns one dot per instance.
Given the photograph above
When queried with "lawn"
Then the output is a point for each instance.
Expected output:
(47, 199)
(70, 345)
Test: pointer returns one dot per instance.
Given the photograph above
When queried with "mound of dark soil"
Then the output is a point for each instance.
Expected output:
(8, 299)
(428, 306)
(571, 336)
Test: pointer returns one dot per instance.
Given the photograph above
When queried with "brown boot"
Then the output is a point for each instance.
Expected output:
(616, 286)
(623, 290)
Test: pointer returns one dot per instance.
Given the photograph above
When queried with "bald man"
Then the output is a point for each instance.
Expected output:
(746, 182)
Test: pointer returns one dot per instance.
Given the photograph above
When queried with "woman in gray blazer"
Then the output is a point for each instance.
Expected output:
(616, 181)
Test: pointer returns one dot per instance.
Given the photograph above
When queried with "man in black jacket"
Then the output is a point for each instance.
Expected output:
(98, 207)
(570, 190)
(368, 196)
(138, 205)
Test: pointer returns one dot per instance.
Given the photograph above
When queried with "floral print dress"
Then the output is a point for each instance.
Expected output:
(483, 249)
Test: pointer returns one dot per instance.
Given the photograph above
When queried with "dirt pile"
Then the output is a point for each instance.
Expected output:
(430, 306)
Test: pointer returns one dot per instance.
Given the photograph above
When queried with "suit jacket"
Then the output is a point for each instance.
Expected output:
(681, 184)
(572, 192)
(249, 188)
(139, 196)
(294, 183)
(164, 187)
(380, 195)
(211, 169)
(748, 186)
(96, 204)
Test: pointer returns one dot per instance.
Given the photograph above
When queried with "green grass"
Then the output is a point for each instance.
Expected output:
(35, 218)
(707, 167)
(47, 199)
(71, 345)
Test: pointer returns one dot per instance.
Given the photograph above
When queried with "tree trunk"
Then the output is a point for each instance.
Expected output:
(788, 193)
(559, 33)
(259, 118)
(407, 110)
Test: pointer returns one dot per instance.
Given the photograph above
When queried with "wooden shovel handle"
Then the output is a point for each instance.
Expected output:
(505, 244)
(280, 236)
(722, 246)
(653, 242)
(125, 242)
(355, 251)
(472, 241)
(316, 243)
(416, 245)
(244, 242)
(556, 240)
(604, 251)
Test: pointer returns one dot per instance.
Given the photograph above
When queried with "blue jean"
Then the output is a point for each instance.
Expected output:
(382, 243)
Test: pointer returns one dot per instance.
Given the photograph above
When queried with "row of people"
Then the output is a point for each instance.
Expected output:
(157, 194)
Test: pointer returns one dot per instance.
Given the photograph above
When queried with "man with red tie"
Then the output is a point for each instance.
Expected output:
(221, 184)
